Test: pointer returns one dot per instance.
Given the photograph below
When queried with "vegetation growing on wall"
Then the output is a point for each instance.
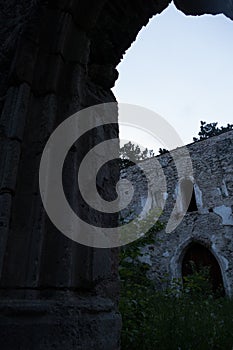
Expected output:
(185, 317)
(131, 153)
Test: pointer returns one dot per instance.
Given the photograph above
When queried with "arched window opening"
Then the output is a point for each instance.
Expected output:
(199, 261)
(187, 191)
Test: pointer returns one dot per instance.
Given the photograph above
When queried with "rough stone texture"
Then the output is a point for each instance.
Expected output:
(57, 57)
(54, 293)
(40, 324)
(212, 223)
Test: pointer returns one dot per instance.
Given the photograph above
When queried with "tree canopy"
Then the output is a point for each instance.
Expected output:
(131, 153)
(210, 130)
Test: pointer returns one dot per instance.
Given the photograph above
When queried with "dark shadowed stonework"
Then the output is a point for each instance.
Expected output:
(57, 57)
(207, 225)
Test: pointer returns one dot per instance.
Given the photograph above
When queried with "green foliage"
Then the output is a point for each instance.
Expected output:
(158, 321)
(131, 153)
(210, 130)
(130, 264)
(163, 151)
(188, 315)
(198, 283)
(139, 227)
(136, 288)
(184, 317)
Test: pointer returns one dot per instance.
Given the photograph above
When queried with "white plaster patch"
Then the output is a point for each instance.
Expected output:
(224, 189)
(145, 259)
(166, 254)
(146, 204)
(226, 263)
(198, 196)
(178, 198)
(225, 213)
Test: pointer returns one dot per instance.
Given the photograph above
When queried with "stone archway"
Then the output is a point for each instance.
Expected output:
(119, 22)
(56, 58)
(198, 256)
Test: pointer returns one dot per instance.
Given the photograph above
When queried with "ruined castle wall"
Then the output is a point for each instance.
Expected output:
(56, 58)
(211, 224)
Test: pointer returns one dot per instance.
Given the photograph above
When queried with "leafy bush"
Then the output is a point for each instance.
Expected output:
(196, 320)
(131, 153)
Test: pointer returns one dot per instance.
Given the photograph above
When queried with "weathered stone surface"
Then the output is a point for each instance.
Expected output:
(57, 57)
(211, 224)
(67, 324)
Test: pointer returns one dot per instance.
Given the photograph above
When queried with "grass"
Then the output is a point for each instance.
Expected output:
(198, 319)
(163, 322)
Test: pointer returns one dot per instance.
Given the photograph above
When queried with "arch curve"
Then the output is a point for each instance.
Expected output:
(179, 255)
(119, 23)
(196, 257)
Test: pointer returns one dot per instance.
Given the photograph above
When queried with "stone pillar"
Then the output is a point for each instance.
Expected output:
(54, 293)
(57, 57)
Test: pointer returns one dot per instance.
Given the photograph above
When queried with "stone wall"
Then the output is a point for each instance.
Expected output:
(54, 293)
(56, 58)
(210, 224)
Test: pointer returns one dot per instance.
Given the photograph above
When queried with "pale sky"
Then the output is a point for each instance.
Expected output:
(181, 67)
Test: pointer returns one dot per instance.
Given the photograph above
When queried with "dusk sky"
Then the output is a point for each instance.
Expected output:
(182, 68)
